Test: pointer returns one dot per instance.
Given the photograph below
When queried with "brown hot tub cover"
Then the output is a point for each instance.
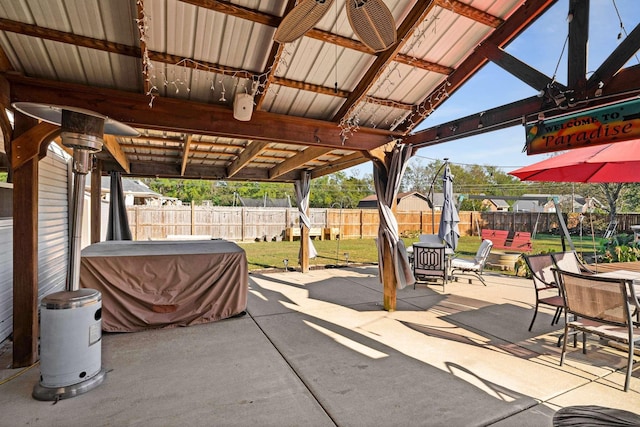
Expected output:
(158, 284)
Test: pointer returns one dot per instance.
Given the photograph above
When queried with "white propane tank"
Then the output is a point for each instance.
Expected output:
(70, 344)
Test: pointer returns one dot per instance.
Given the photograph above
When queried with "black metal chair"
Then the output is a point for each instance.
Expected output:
(429, 262)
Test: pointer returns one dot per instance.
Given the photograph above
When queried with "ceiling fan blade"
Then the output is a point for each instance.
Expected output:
(301, 19)
(373, 23)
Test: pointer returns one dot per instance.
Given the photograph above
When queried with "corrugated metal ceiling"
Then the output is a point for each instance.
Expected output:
(207, 51)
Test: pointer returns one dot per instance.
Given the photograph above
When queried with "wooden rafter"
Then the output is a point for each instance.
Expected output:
(621, 87)
(470, 12)
(112, 146)
(146, 82)
(185, 153)
(296, 161)
(625, 50)
(519, 69)
(351, 160)
(413, 19)
(272, 63)
(508, 31)
(251, 152)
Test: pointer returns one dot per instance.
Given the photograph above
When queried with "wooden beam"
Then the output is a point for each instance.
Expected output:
(417, 14)
(69, 38)
(296, 161)
(272, 63)
(96, 202)
(625, 50)
(524, 16)
(470, 12)
(423, 65)
(185, 154)
(194, 117)
(112, 146)
(514, 66)
(324, 90)
(241, 12)
(249, 153)
(515, 113)
(327, 37)
(349, 161)
(578, 47)
(146, 79)
(29, 145)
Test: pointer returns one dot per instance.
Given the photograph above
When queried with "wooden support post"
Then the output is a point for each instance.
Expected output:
(304, 253)
(25, 264)
(390, 283)
(26, 153)
(388, 280)
(96, 202)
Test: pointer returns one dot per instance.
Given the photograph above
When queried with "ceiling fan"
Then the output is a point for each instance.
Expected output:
(371, 20)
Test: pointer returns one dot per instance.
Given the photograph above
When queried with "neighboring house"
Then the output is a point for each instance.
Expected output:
(135, 192)
(495, 205)
(567, 202)
(410, 201)
(527, 206)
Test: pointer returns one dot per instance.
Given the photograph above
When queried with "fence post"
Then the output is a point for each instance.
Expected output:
(193, 215)
(242, 224)
(137, 210)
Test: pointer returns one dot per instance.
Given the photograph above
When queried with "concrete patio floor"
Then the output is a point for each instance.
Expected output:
(317, 349)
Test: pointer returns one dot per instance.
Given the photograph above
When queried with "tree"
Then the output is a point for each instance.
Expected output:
(611, 192)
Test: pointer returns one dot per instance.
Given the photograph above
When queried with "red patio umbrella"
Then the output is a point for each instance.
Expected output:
(615, 162)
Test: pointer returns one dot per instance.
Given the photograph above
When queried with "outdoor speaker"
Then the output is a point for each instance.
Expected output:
(243, 107)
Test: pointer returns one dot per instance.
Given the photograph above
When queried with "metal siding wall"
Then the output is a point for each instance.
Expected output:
(53, 224)
(6, 277)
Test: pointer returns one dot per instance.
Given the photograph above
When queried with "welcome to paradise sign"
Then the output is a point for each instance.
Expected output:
(612, 123)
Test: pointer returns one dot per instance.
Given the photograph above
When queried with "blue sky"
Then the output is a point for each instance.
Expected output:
(540, 46)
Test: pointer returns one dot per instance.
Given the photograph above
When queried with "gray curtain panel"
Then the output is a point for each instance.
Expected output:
(118, 227)
(387, 183)
(303, 188)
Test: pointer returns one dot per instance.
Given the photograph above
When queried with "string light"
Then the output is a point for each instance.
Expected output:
(349, 124)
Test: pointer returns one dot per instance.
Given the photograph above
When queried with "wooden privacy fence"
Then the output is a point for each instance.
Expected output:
(238, 223)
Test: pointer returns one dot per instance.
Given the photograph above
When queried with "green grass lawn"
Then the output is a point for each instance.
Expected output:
(270, 255)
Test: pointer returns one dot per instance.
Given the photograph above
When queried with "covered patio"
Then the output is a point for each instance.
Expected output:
(211, 92)
(319, 349)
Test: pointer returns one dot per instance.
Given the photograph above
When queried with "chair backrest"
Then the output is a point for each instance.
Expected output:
(429, 260)
(483, 252)
(568, 261)
(596, 298)
(430, 238)
(541, 268)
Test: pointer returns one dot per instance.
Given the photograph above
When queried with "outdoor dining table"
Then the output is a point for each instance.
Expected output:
(624, 274)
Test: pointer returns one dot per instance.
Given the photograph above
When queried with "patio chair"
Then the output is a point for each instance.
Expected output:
(473, 266)
(424, 238)
(569, 261)
(429, 262)
(547, 292)
(601, 306)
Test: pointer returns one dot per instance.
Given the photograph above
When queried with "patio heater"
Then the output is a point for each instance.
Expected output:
(70, 320)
